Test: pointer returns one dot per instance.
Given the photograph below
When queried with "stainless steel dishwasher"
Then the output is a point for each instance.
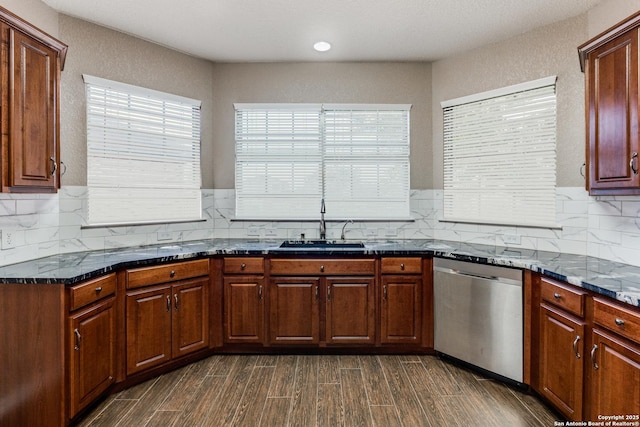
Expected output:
(478, 316)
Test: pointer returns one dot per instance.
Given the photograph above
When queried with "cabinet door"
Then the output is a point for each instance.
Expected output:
(148, 313)
(612, 102)
(190, 322)
(293, 310)
(92, 353)
(33, 125)
(401, 309)
(615, 376)
(350, 310)
(561, 362)
(244, 309)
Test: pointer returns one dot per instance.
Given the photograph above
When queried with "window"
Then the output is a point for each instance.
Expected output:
(290, 156)
(143, 155)
(500, 156)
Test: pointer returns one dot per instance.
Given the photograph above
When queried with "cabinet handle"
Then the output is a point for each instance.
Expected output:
(322, 269)
(172, 274)
(384, 292)
(557, 295)
(634, 159)
(175, 297)
(402, 267)
(575, 346)
(168, 303)
(329, 293)
(619, 322)
(78, 339)
(317, 292)
(54, 166)
(593, 357)
(98, 289)
(260, 293)
(582, 169)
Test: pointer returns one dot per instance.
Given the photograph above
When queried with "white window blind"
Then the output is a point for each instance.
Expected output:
(143, 155)
(290, 156)
(500, 156)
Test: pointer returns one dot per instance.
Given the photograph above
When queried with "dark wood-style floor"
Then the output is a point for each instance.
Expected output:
(306, 391)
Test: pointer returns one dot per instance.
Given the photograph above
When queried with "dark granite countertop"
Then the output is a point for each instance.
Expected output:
(615, 280)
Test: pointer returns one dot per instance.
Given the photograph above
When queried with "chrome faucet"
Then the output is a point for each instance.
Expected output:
(323, 225)
(349, 221)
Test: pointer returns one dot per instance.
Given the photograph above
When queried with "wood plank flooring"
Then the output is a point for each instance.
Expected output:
(308, 390)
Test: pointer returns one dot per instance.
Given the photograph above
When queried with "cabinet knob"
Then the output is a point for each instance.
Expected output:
(619, 322)
(172, 274)
(98, 289)
(557, 295)
(322, 268)
(402, 267)
(243, 266)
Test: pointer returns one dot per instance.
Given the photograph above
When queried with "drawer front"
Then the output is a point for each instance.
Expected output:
(563, 296)
(243, 265)
(322, 267)
(166, 273)
(401, 265)
(91, 291)
(617, 319)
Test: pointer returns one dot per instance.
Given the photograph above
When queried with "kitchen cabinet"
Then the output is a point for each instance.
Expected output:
(91, 337)
(610, 63)
(561, 347)
(614, 362)
(322, 301)
(166, 313)
(401, 313)
(244, 300)
(31, 62)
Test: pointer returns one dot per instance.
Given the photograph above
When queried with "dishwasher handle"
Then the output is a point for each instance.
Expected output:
(455, 272)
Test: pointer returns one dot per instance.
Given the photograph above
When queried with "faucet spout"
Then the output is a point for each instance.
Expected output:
(323, 225)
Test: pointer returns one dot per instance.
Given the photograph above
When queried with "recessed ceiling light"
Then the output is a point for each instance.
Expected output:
(322, 46)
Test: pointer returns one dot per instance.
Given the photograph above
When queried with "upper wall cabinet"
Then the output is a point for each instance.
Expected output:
(610, 63)
(30, 64)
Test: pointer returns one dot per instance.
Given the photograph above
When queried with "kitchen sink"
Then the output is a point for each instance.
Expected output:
(320, 244)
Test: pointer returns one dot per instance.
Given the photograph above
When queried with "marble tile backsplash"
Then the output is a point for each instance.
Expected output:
(42, 225)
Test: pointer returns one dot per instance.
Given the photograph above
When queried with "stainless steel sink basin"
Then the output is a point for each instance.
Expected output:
(320, 244)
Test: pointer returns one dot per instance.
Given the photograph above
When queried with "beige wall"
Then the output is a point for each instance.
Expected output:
(35, 12)
(542, 52)
(116, 56)
(608, 13)
(399, 83)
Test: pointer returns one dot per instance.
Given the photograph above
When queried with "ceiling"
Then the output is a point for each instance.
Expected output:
(359, 30)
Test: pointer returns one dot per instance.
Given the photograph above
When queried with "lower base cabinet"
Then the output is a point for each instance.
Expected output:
(615, 377)
(165, 322)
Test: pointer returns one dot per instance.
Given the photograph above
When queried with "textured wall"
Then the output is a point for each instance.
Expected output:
(609, 13)
(395, 83)
(542, 52)
(113, 55)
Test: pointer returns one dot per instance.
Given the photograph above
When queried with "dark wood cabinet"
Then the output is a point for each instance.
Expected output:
(401, 314)
(92, 353)
(561, 360)
(350, 310)
(322, 301)
(244, 300)
(244, 309)
(31, 62)
(610, 63)
(165, 321)
(615, 376)
(294, 310)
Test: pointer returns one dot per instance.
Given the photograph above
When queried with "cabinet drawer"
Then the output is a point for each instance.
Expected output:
(91, 291)
(563, 296)
(322, 267)
(166, 273)
(401, 265)
(617, 319)
(253, 265)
